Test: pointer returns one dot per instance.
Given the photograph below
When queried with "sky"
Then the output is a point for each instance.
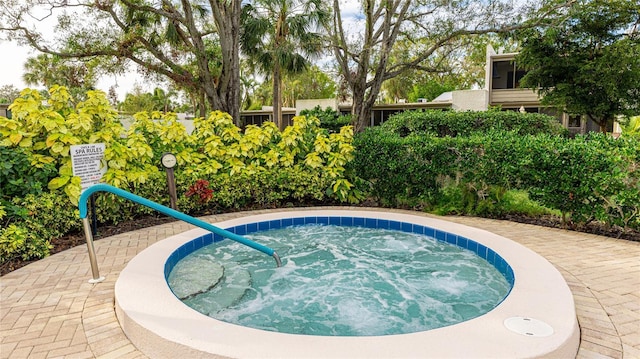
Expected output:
(13, 57)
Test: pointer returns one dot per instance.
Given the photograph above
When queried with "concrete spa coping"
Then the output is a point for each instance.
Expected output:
(537, 319)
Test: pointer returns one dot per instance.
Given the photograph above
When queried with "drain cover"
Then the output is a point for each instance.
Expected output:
(528, 326)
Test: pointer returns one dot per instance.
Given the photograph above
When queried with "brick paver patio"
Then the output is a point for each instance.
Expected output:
(48, 309)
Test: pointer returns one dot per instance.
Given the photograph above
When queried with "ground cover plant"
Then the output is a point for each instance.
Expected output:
(220, 166)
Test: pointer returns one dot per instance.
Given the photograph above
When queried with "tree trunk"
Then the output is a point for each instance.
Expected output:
(277, 97)
(361, 114)
(233, 86)
(226, 97)
(202, 109)
(602, 122)
(364, 97)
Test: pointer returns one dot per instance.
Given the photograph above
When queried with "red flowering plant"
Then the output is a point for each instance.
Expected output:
(201, 190)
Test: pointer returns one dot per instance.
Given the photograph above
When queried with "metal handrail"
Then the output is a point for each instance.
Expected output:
(82, 206)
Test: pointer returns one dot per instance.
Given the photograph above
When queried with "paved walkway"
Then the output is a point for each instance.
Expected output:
(48, 309)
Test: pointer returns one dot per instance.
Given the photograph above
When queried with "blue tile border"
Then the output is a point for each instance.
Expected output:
(383, 224)
(481, 250)
(371, 223)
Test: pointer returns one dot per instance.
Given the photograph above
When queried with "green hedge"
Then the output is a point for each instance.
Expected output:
(32, 222)
(454, 124)
(330, 119)
(587, 178)
(19, 177)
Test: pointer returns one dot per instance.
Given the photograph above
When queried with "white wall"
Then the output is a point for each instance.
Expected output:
(309, 104)
(470, 100)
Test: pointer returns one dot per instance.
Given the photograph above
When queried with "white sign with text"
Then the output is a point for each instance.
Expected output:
(86, 161)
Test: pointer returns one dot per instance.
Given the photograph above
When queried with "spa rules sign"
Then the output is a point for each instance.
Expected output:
(86, 161)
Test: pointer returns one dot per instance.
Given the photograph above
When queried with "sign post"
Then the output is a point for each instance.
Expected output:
(86, 162)
(168, 161)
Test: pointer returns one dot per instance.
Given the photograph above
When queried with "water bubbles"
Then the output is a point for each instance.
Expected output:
(347, 281)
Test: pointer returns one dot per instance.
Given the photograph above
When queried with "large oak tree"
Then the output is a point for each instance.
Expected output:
(425, 27)
(195, 44)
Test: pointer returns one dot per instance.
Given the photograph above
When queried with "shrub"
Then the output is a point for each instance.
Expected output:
(266, 166)
(588, 178)
(576, 176)
(33, 222)
(19, 242)
(49, 215)
(45, 131)
(632, 127)
(420, 166)
(20, 176)
(453, 123)
(623, 208)
(264, 159)
(330, 119)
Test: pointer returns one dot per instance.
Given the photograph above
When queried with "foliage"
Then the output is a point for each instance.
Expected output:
(623, 208)
(632, 127)
(19, 242)
(588, 178)
(48, 70)
(452, 123)
(35, 220)
(279, 36)
(19, 176)
(49, 215)
(193, 45)
(8, 93)
(225, 167)
(429, 31)
(201, 190)
(138, 101)
(460, 200)
(586, 172)
(429, 90)
(589, 63)
(303, 147)
(329, 118)
(312, 83)
(46, 131)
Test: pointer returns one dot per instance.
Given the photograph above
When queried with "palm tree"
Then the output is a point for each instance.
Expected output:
(45, 70)
(162, 99)
(279, 37)
(39, 71)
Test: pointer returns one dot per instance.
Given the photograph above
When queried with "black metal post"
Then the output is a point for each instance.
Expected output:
(171, 183)
(94, 218)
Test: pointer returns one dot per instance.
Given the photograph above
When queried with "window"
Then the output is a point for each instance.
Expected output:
(574, 121)
(550, 111)
(506, 75)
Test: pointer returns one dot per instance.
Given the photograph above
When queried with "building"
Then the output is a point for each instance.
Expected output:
(4, 110)
(502, 90)
(257, 117)
(502, 84)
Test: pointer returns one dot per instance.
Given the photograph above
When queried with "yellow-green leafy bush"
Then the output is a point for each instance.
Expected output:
(243, 168)
(46, 129)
